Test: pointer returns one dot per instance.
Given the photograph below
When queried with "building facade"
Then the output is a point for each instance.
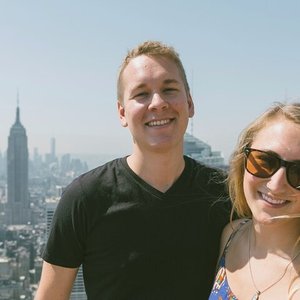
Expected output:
(202, 152)
(17, 208)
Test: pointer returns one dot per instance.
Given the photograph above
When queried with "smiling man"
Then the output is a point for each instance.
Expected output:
(145, 226)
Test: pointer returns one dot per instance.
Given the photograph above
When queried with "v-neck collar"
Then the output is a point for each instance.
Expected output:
(183, 177)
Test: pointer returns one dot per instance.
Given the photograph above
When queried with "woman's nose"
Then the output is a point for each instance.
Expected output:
(278, 180)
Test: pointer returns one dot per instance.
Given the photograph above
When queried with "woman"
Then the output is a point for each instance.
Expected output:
(260, 254)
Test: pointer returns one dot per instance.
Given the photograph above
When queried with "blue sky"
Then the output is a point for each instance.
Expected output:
(63, 57)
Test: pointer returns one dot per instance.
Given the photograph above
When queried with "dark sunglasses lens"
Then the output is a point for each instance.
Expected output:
(293, 176)
(261, 164)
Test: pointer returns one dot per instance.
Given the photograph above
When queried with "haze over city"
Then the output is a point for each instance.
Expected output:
(62, 58)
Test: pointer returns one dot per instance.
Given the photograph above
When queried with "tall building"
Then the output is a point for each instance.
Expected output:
(202, 152)
(2, 165)
(53, 151)
(78, 291)
(17, 211)
(51, 156)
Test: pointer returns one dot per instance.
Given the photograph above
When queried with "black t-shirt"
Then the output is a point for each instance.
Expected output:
(135, 242)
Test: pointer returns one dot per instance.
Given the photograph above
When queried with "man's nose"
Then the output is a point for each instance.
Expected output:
(158, 102)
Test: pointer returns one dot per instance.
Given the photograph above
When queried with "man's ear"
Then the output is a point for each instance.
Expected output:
(121, 111)
(191, 106)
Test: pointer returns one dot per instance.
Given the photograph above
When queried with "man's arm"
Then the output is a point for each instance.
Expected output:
(56, 282)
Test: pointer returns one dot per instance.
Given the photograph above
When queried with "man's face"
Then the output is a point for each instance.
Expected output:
(155, 104)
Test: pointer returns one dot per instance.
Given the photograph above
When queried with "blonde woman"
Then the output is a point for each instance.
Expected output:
(260, 254)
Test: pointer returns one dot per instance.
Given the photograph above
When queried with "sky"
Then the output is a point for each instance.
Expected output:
(62, 58)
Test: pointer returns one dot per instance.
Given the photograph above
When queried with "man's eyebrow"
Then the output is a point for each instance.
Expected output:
(169, 81)
(139, 86)
(166, 81)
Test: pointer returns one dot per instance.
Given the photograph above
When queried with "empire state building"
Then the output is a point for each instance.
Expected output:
(17, 174)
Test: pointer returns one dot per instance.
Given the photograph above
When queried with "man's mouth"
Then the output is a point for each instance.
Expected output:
(158, 122)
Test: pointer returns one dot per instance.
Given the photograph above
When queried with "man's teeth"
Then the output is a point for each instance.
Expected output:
(158, 123)
(272, 200)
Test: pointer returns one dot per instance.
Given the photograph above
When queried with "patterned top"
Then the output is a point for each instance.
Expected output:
(221, 290)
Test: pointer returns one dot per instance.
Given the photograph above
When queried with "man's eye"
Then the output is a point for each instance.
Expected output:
(140, 95)
(170, 90)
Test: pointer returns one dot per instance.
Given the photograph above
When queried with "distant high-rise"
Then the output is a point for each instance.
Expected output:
(51, 157)
(202, 152)
(17, 211)
(53, 152)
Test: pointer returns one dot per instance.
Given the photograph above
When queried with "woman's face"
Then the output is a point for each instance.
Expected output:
(273, 196)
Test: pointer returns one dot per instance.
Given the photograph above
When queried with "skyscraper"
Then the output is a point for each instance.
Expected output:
(202, 152)
(51, 157)
(53, 151)
(17, 211)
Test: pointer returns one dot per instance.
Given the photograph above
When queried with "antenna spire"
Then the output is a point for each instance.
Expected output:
(18, 109)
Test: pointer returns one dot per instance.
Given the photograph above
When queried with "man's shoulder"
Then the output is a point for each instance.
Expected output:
(88, 181)
(205, 173)
(103, 170)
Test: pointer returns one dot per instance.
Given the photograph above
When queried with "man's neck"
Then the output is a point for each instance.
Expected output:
(158, 170)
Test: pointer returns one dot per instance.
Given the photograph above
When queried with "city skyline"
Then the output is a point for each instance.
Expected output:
(63, 59)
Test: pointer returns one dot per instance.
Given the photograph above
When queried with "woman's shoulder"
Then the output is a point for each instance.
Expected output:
(229, 229)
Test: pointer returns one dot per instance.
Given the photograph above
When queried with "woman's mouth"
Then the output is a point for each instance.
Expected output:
(273, 201)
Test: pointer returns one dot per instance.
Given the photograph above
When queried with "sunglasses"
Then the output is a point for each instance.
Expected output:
(264, 165)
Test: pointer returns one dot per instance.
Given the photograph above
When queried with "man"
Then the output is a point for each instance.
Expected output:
(146, 226)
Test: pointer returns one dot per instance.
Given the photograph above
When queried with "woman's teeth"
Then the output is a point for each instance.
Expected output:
(272, 200)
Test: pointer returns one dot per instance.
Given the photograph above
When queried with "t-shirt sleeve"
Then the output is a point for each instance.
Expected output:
(66, 244)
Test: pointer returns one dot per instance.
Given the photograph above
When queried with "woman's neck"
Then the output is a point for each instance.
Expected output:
(279, 238)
